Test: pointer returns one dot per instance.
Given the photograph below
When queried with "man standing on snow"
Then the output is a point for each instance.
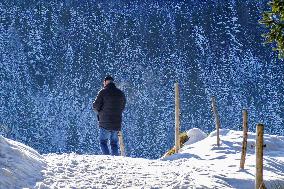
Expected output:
(109, 105)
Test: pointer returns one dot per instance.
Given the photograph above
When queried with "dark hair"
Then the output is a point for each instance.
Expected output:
(108, 77)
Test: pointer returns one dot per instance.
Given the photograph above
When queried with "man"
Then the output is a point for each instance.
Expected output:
(109, 105)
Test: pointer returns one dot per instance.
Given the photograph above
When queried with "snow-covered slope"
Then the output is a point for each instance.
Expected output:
(222, 163)
(200, 164)
(55, 53)
(20, 165)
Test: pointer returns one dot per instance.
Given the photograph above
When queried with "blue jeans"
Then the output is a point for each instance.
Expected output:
(112, 136)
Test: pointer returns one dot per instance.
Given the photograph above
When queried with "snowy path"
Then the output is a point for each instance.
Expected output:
(86, 171)
(199, 165)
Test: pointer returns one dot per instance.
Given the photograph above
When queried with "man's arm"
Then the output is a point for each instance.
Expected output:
(98, 103)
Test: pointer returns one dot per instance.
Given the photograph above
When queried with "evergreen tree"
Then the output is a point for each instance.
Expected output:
(274, 20)
(72, 142)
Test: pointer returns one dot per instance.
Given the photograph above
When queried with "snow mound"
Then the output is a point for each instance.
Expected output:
(222, 163)
(20, 165)
(221, 132)
(195, 135)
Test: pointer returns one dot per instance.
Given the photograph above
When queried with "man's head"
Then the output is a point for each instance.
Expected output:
(108, 79)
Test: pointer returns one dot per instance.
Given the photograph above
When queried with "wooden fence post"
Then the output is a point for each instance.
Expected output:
(245, 139)
(259, 157)
(217, 119)
(121, 144)
(177, 120)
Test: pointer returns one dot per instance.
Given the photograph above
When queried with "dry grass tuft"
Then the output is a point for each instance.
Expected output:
(183, 139)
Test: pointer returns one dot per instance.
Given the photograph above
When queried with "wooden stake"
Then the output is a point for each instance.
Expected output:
(259, 157)
(217, 119)
(177, 119)
(245, 139)
(121, 143)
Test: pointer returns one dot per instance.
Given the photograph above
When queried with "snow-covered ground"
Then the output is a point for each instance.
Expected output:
(200, 164)
(20, 165)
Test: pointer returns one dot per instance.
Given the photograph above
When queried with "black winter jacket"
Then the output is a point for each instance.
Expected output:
(109, 105)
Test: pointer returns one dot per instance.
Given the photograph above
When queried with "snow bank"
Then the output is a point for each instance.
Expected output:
(20, 165)
(195, 135)
(221, 164)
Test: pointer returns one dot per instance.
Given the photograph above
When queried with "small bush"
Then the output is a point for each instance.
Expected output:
(183, 138)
